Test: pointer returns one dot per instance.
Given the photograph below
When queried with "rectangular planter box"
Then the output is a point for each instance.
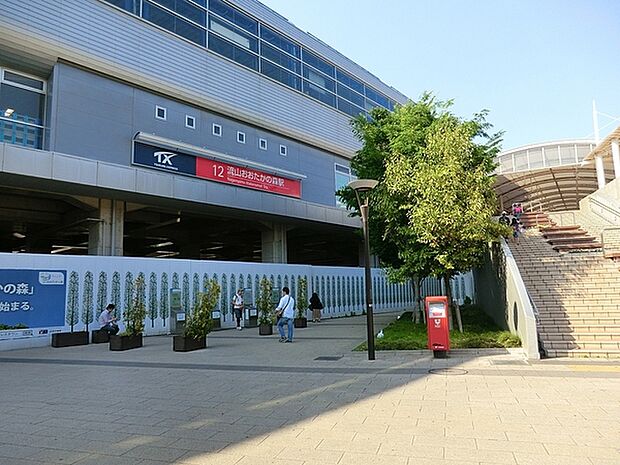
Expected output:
(100, 337)
(186, 344)
(125, 342)
(76, 338)
(265, 330)
(300, 322)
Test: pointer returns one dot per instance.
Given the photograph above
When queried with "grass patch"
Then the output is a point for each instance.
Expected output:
(479, 331)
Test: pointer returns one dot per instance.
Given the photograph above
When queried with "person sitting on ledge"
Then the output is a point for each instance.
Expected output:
(107, 320)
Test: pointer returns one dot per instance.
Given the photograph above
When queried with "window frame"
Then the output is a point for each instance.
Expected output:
(193, 118)
(241, 137)
(284, 152)
(262, 140)
(165, 110)
(219, 131)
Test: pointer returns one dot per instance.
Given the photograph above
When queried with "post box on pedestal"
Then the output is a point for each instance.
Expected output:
(437, 325)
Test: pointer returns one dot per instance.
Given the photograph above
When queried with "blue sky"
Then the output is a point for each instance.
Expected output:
(536, 65)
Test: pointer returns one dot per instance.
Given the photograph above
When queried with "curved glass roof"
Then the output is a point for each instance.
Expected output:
(550, 176)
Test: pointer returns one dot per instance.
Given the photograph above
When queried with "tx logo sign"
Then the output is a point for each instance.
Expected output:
(164, 158)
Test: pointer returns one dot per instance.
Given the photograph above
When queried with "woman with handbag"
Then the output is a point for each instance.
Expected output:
(316, 306)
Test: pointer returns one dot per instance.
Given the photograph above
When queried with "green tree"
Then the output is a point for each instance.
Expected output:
(129, 291)
(200, 323)
(102, 293)
(87, 300)
(152, 298)
(302, 296)
(73, 295)
(164, 302)
(431, 212)
(116, 292)
(263, 302)
(135, 313)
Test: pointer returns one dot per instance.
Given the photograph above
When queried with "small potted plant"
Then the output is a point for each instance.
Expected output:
(133, 317)
(264, 306)
(200, 322)
(300, 320)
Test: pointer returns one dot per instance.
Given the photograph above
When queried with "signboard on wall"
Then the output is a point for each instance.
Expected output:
(214, 170)
(32, 298)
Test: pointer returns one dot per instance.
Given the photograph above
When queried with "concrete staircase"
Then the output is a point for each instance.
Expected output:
(577, 296)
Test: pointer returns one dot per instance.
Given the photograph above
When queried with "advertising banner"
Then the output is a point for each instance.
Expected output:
(32, 298)
(214, 170)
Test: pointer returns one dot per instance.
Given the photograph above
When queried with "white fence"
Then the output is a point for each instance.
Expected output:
(93, 281)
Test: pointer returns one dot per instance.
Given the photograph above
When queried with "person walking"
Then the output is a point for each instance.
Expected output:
(107, 320)
(238, 307)
(316, 306)
(516, 229)
(286, 311)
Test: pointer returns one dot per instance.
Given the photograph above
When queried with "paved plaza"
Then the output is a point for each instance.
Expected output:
(249, 400)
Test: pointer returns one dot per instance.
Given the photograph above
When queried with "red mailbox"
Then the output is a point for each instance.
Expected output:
(437, 325)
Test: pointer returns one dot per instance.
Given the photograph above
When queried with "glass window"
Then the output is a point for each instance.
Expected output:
(241, 137)
(319, 79)
(185, 9)
(227, 49)
(283, 150)
(343, 176)
(234, 34)
(133, 6)
(217, 130)
(369, 105)
(24, 80)
(234, 16)
(262, 144)
(280, 74)
(160, 112)
(350, 81)
(350, 95)
(279, 41)
(319, 93)
(190, 122)
(21, 104)
(172, 23)
(349, 108)
(273, 54)
(377, 97)
(318, 63)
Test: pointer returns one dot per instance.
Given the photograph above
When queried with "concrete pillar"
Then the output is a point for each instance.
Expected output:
(615, 155)
(106, 237)
(600, 171)
(274, 244)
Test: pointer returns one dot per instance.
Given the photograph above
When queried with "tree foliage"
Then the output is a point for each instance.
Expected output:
(200, 323)
(263, 302)
(431, 213)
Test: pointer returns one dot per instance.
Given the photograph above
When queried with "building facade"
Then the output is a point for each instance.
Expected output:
(199, 129)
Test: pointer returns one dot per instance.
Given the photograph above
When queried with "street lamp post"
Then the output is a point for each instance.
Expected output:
(361, 186)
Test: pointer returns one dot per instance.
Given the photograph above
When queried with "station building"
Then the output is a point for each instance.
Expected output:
(197, 129)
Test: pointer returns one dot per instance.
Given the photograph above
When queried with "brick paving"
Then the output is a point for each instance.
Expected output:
(250, 400)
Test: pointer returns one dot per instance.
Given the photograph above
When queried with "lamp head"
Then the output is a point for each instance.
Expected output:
(363, 185)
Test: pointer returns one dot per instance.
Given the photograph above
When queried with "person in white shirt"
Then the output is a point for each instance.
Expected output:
(238, 307)
(286, 310)
(107, 320)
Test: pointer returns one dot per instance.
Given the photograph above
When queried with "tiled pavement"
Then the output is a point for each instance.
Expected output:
(249, 400)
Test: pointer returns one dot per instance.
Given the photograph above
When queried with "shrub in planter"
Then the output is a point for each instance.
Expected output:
(300, 320)
(72, 338)
(133, 317)
(200, 323)
(264, 307)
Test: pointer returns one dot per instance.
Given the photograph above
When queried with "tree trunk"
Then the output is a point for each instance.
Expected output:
(418, 311)
(446, 279)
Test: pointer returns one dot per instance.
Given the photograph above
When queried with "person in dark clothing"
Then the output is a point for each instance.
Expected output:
(316, 306)
(504, 219)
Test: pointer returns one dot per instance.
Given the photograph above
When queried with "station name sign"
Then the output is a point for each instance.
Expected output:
(214, 170)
